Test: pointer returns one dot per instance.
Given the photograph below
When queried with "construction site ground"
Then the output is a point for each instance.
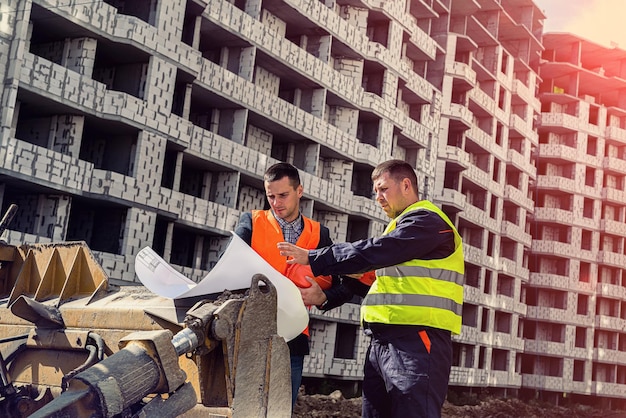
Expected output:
(337, 406)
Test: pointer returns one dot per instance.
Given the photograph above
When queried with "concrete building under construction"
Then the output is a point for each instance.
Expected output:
(133, 123)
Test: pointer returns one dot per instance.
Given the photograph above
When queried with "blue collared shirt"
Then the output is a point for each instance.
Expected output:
(291, 230)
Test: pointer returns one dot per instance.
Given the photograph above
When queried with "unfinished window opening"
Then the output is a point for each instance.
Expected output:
(109, 146)
(499, 359)
(503, 322)
(470, 315)
(472, 275)
(368, 129)
(142, 9)
(100, 224)
(373, 77)
(506, 285)
(581, 337)
(345, 341)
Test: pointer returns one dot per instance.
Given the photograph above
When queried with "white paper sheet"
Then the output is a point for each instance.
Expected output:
(233, 271)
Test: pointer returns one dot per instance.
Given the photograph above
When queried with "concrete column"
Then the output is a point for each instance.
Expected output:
(344, 118)
(336, 222)
(138, 231)
(246, 63)
(178, 171)
(225, 187)
(80, 55)
(307, 157)
(149, 161)
(198, 251)
(239, 122)
(167, 248)
(169, 17)
(259, 140)
(66, 133)
(52, 216)
(337, 171)
(159, 85)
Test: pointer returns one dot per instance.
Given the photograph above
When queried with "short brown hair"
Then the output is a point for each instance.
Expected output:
(398, 170)
(281, 170)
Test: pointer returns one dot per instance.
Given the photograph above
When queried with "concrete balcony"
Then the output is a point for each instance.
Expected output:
(611, 259)
(456, 157)
(608, 389)
(458, 115)
(610, 323)
(423, 42)
(515, 195)
(421, 87)
(592, 129)
(478, 176)
(474, 255)
(558, 152)
(613, 195)
(556, 248)
(560, 216)
(366, 206)
(486, 105)
(515, 232)
(519, 125)
(503, 378)
(611, 356)
(506, 341)
(464, 78)
(540, 382)
(474, 296)
(369, 154)
(614, 164)
(550, 281)
(613, 227)
(580, 387)
(469, 377)
(452, 198)
(521, 90)
(560, 122)
(511, 267)
(547, 348)
(521, 162)
(560, 316)
(615, 133)
(556, 183)
(611, 291)
(588, 223)
(486, 141)
(479, 217)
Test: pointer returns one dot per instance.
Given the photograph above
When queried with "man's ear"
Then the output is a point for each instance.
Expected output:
(406, 185)
(299, 190)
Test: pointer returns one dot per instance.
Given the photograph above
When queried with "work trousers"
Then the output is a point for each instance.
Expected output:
(406, 371)
(297, 366)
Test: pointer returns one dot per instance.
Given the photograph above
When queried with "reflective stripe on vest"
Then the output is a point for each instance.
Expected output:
(415, 300)
(419, 292)
(417, 271)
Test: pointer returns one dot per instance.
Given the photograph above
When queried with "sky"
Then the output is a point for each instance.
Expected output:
(601, 21)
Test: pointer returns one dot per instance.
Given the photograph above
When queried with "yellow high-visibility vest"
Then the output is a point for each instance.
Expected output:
(419, 292)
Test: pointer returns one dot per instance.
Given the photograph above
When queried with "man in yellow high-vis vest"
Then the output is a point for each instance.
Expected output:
(415, 303)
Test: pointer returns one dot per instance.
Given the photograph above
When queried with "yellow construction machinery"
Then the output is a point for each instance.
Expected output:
(73, 345)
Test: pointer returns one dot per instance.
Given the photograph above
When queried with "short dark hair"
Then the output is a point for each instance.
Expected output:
(398, 170)
(281, 170)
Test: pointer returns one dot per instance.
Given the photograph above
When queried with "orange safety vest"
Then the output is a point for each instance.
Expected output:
(266, 233)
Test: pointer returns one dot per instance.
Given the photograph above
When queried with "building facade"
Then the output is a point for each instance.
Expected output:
(575, 327)
(138, 123)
